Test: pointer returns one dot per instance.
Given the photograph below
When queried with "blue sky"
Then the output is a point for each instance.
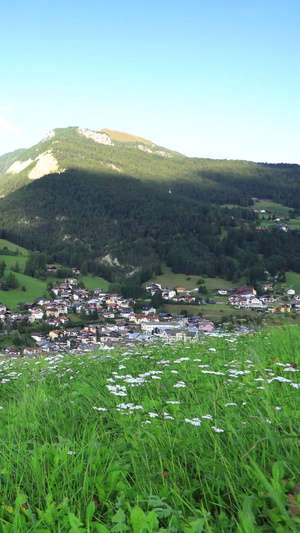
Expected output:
(217, 79)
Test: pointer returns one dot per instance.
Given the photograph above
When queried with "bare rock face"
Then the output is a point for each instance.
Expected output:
(49, 136)
(46, 164)
(101, 138)
(18, 166)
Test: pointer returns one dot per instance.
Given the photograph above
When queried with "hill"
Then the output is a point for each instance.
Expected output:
(182, 438)
(122, 205)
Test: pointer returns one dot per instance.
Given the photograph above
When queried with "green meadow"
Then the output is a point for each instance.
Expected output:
(175, 438)
(34, 289)
(94, 282)
(292, 281)
(171, 280)
(273, 207)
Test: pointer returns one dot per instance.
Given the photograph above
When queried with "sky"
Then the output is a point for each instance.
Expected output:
(217, 79)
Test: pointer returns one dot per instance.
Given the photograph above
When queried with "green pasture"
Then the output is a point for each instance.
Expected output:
(11, 260)
(34, 289)
(94, 282)
(13, 247)
(212, 312)
(170, 280)
(199, 438)
(292, 281)
(273, 208)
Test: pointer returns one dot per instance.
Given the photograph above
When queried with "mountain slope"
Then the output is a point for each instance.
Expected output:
(122, 154)
(109, 198)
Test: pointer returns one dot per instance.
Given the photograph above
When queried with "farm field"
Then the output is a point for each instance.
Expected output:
(183, 438)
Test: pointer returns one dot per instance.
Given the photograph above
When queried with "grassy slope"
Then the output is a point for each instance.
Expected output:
(13, 247)
(171, 280)
(34, 289)
(94, 282)
(293, 281)
(73, 457)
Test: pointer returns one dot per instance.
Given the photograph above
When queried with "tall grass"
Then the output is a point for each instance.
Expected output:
(165, 438)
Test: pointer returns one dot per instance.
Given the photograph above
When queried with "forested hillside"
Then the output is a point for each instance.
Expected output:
(122, 207)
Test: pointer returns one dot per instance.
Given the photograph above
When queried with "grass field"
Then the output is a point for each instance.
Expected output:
(292, 281)
(273, 208)
(183, 439)
(94, 282)
(13, 247)
(34, 289)
(171, 280)
(212, 312)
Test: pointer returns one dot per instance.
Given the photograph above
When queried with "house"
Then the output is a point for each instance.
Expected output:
(180, 289)
(148, 311)
(76, 271)
(55, 334)
(168, 294)
(71, 281)
(37, 337)
(52, 311)
(291, 292)
(51, 268)
(35, 314)
(284, 308)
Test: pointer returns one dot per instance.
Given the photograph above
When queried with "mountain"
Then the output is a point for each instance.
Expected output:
(106, 150)
(118, 203)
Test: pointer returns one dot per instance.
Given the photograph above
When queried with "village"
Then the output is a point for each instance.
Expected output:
(110, 319)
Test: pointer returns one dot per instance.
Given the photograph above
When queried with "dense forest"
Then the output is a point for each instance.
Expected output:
(81, 217)
(120, 211)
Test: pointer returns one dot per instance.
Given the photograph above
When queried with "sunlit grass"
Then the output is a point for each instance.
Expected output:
(185, 438)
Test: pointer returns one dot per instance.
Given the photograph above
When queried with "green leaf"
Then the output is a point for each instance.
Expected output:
(137, 518)
(278, 470)
(152, 521)
(90, 511)
(74, 521)
(194, 527)
(120, 519)
(100, 528)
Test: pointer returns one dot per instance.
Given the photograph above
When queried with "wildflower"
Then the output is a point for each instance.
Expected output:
(280, 379)
(194, 421)
(172, 402)
(230, 404)
(179, 384)
(100, 408)
(207, 417)
(153, 415)
(217, 430)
